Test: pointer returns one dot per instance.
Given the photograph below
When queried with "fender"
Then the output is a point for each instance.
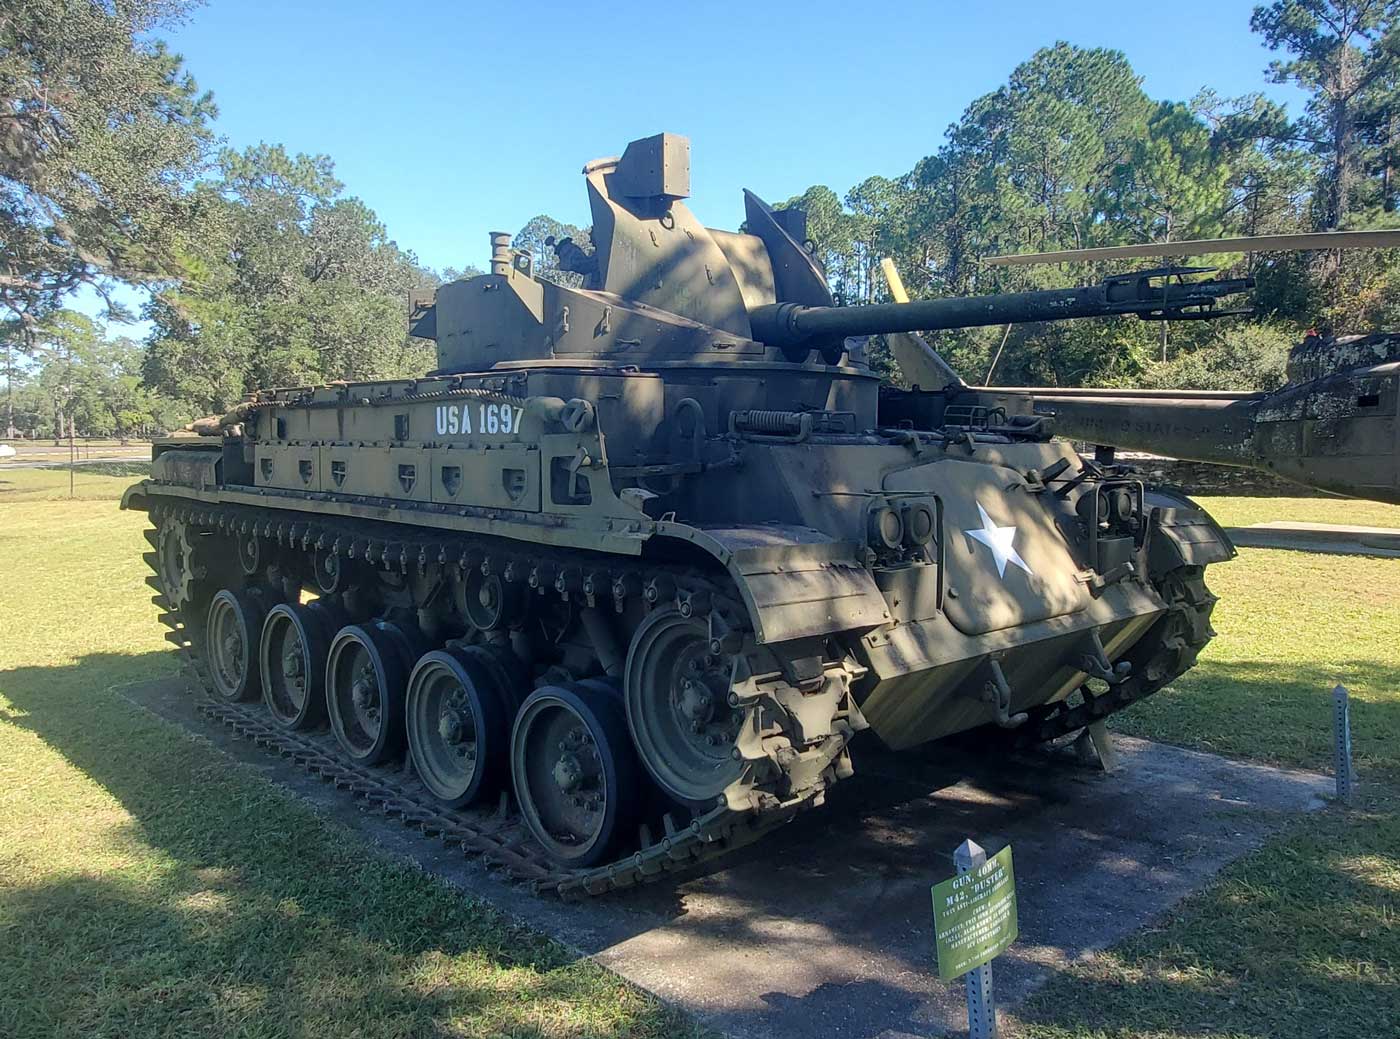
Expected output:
(795, 581)
(198, 468)
(1183, 533)
(134, 497)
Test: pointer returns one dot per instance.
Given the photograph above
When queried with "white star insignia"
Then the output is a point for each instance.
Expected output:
(999, 540)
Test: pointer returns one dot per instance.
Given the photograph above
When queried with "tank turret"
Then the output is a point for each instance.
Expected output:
(661, 286)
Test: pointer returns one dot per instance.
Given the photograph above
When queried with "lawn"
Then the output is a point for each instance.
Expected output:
(1303, 937)
(100, 481)
(148, 888)
(1244, 512)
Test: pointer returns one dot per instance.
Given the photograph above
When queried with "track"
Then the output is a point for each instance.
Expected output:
(498, 838)
(1164, 653)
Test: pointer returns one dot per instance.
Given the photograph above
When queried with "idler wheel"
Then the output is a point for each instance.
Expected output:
(366, 673)
(575, 773)
(232, 628)
(292, 662)
(677, 695)
(459, 715)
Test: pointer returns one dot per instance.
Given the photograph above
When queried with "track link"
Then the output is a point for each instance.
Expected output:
(1170, 649)
(498, 839)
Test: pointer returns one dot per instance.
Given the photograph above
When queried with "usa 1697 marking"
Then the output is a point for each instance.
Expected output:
(499, 419)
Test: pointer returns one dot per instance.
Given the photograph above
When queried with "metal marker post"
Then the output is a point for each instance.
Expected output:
(1341, 728)
(981, 1004)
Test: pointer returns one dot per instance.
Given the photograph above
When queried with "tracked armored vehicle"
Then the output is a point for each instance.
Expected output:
(626, 576)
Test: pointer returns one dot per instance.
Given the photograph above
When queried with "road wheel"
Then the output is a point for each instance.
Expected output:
(366, 673)
(458, 719)
(677, 694)
(575, 773)
(292, 663)
(232, 628)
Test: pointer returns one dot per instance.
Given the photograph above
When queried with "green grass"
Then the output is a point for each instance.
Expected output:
(1301, 938)
(149, 888)
(101, 481)
(1290, 626)
(1245, 512)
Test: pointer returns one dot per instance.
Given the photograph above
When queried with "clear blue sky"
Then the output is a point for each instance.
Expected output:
(454, 119)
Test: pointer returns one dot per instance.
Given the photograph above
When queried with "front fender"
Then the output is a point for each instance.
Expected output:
(795, 581)
(1183, 533)
(134, 497)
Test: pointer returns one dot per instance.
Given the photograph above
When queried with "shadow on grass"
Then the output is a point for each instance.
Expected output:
(1297, 940)
(220, 905)
(1277, 713)
(226, 907)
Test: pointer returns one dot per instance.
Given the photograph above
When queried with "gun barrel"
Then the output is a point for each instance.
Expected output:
(786, 324)
(1203, 427)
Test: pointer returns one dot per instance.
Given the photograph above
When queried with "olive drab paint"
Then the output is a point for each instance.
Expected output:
(669, 509)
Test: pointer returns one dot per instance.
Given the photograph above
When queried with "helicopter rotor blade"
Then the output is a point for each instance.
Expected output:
(1258, 243)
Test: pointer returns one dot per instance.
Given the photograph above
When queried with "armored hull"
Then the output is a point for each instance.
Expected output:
(626, 577)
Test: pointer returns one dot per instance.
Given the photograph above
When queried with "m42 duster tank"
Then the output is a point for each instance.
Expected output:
(626, 575)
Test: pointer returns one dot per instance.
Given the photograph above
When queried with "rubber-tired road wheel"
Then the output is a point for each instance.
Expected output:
(458, 718)
(232, 627)
(678, 708)
(292, 662)
(575, 773)
(366, 672)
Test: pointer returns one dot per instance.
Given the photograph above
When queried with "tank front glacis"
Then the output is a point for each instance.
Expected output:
(649, 573)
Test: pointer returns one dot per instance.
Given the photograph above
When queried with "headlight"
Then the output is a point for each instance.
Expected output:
(886, 528)
(918, 524)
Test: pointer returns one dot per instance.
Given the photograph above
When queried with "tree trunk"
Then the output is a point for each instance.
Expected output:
(1342, 143)
(1341, 167)
(1388, 172)
(9, 388)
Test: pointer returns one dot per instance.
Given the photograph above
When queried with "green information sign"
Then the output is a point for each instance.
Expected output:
(974, 915)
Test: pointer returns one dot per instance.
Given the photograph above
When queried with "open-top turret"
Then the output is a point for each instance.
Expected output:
(646, 555)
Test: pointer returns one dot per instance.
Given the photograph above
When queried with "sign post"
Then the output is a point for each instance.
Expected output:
(1341, 731)
(974, 918)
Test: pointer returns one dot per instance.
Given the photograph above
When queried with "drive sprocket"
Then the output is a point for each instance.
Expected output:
(178, 563)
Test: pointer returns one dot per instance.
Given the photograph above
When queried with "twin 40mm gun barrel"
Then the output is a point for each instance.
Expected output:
(1159, 295)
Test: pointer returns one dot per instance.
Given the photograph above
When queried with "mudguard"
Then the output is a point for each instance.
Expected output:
(795, 581)
(134, 497)
(1183, 533)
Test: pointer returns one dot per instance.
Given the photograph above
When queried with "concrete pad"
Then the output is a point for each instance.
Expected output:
(1328, 538)
(826, 926)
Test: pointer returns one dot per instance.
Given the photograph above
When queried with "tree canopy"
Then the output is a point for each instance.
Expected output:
(101, 135)
(261, 270)
(292, 284)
